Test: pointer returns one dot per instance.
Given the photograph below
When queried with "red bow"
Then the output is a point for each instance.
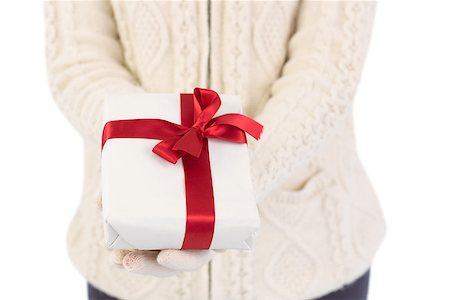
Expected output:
(178, 139)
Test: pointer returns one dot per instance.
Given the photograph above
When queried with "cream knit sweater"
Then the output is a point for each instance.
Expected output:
(297, 66)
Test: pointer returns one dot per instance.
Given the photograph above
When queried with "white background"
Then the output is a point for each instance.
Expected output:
(402, 114)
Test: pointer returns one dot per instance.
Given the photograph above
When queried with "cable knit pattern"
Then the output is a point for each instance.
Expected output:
(296, 65)
(153, 40)
(186, 53)
(302, 142)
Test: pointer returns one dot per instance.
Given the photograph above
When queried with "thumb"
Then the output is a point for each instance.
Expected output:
(184, 260)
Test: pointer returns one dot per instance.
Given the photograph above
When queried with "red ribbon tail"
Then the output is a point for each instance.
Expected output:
(232, 127)
(165, 150)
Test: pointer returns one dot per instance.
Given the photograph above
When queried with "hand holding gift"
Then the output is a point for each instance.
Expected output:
(176, 176)
(160, 263)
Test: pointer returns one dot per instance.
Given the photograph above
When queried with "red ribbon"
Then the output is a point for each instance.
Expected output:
(189, 141)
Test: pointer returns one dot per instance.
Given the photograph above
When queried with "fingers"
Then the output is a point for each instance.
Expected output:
(184, 260)
(144, 262)
(117, 255)
(140, 261)
(162, 263)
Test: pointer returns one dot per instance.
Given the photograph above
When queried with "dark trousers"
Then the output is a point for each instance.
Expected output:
(357, 290)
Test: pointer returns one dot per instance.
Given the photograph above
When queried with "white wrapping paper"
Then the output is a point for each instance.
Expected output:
(143, 195)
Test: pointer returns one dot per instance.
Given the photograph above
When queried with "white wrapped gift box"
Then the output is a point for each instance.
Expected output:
(143, 195)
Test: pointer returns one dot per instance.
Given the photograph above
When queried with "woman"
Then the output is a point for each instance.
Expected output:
(296, 66)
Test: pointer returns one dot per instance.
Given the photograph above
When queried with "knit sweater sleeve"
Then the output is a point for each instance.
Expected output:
(315, 89)
(84, 61)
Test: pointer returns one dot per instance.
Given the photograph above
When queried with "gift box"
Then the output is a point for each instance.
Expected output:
(175, 172)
